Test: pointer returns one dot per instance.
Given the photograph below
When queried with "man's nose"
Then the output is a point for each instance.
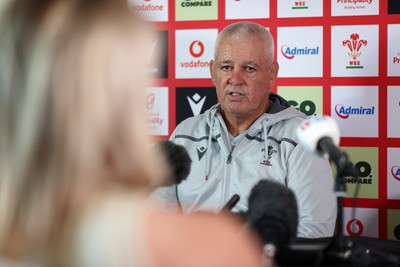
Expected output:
(236, 77)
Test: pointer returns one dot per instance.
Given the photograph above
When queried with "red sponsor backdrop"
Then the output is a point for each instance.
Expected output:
(382, 142)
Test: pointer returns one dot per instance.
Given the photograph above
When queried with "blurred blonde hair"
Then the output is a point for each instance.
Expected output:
(72, 80)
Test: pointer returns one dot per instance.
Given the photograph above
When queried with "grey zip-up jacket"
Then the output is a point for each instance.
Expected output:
(268, 150)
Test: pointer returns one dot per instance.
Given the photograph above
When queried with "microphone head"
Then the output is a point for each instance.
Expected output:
(178, 159)
(273, 213)
(310, 131)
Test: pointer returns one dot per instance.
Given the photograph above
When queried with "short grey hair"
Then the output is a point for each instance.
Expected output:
(246, 29)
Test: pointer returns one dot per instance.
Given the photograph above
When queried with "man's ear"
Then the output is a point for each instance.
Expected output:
(274, 74)
(212, 69)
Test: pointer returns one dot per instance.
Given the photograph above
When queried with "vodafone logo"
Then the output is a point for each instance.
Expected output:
(355, 227)
(395, 170)
(196, 48)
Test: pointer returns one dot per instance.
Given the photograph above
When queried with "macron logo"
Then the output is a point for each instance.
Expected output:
(196, 103)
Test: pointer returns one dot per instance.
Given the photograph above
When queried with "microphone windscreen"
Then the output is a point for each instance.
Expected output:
(178, 159)
(273, 213)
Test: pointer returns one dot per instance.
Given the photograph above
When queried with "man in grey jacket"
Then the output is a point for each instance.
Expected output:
(248, 136)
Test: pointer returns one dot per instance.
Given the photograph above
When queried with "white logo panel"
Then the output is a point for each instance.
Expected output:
(193, 51)
(393, 50)
(365, 222)
(393, 111)
(157, 110)
(354, 51)
(354, 7)
(292, 9)
(300, 51)
(393, 173)
(150, 10)
(355, 109)
(247, 9)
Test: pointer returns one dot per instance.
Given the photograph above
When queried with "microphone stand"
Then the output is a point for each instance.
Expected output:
(344, 249)
(339, 250)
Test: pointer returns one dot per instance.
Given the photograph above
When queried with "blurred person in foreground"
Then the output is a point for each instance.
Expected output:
(75, 165)
(248, 136)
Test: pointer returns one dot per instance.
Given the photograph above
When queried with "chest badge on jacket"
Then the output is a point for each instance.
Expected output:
(201, 151)
(267, 161)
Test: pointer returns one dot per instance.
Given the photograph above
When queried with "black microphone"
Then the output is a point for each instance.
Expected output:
(178, 159)
(273, 214)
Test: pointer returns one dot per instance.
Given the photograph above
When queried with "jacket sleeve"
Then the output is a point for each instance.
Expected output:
(165, 197)
(311, 179)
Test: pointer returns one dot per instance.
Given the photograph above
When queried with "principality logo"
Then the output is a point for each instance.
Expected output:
(290, 52)
(396, 60)
(395, 170)
(267, 161)
(355, 227)
(299, 5)
(192, 51)
(354, 44)
(150, 99)
(344, 112)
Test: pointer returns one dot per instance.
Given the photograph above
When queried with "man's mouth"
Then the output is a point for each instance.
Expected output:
(235, 94)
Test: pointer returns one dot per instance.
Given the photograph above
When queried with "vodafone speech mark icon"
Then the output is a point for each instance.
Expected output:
(198, 51)
(355, 227)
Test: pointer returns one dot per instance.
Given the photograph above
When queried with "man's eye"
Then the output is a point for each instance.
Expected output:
(225, 68)
(250, 69)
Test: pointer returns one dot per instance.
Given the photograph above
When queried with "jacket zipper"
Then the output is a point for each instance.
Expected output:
(229, 159)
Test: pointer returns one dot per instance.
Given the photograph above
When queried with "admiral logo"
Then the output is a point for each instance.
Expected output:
(300, 5)
(345, 112)
(354, 45)
(189, 3)
(395, 170)
(364, 173)
(192, 50)
(307, 107)
(354, 227)
(290, 53)
(148, 7)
